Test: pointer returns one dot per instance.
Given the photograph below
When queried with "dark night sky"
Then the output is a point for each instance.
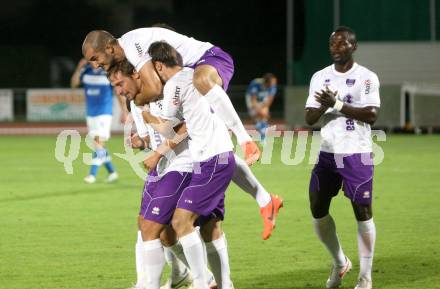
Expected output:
(35, 32)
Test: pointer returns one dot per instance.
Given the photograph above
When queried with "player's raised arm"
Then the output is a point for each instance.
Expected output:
(75, 81)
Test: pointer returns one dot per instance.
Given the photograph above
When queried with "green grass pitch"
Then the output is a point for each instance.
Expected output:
(57, 232)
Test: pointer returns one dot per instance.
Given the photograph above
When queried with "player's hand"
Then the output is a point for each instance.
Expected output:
(326, 98)
(152, 160)
(135, 141)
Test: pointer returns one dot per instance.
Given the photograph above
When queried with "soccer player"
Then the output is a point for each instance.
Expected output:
(259, 97)
(99, 102)
(346, 96)
(213, 69)
(214, 166)
(168, 176)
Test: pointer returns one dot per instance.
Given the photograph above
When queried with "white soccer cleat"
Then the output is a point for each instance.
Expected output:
(185, 281)
(335, 278)
(112, 177)
(90, 179)
(364, 283)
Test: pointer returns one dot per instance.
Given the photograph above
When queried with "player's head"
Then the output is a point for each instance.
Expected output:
(124, 79)
(269, 80)
(99, 49)
(164, 57)
(342, 45)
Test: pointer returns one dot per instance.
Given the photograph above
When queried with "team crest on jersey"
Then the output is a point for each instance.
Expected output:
(326, 82)
(348, 98)
(350, 82)
(176, 96)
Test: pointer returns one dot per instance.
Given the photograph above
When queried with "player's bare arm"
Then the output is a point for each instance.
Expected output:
(314, 114)
(75, 81)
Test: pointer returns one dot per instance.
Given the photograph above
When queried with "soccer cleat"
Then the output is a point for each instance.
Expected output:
(269, 214)
(112, 177)
(90, 179)
(337, 273)
(364, 283)
(185, 281)
(251, 152)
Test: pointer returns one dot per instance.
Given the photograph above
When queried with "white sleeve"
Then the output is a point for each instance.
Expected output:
(171, 103)
(370, 91)
(134, 45)
(141, 127)
(314, 86)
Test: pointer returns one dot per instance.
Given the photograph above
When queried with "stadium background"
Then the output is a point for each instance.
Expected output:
(56, 232)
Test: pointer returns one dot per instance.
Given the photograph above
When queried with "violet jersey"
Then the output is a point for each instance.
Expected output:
(208, 135)
(177, 160)
(136, 43)
(358, 87)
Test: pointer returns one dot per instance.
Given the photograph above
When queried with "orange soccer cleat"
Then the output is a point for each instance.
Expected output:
(251, 152)
(269, 214)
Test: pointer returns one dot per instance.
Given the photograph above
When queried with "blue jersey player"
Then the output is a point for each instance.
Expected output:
(99, 103)
(259, 97)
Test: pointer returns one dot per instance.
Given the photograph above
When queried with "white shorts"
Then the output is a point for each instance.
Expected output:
(99, 126)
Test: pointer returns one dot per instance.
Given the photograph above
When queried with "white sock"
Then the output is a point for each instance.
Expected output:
(366, 239)
(195, 255)
(154, 260)
(177, 261)
(246, 180)
(326, 230)
(218, 258)
(140, 270)
(223, 108)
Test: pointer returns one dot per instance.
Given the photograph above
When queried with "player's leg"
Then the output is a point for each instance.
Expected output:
(175, 258)
(324, 184)
(189, 238)
(262, 121)
(160, 196)
(366, 236)
(358, 187)
(211, 78)
(269, 204)
(217, 252)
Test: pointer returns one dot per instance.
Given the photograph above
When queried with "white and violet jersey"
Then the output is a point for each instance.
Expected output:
(358, 87)
(208, 135)
(178, 160)
(136, 43)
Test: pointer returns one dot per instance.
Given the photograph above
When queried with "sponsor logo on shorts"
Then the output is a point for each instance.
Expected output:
(366, 195)
(155, 211)
(350, 82)
(188, 201)
(367, 86)
(176, 96)
(139, 49)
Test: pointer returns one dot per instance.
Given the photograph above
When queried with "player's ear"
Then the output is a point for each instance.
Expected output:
(135, 75)
(109, 48)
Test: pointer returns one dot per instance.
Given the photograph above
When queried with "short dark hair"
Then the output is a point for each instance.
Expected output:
(163, 25)
(349, 31)
(123, 66)
(267, 77)
(163, 52)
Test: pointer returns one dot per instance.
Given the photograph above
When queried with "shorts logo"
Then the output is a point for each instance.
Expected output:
(366, 195)
(176, 96)
(350, 82)
(367, 86)
(188, 201)
(200, 61)
(139, 49)
(155, 211)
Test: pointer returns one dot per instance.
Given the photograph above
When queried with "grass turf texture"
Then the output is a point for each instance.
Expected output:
(58, 232)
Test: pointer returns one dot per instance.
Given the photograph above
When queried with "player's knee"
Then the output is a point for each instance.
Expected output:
(362, 212)
(317, 207)
(203, 83)
(168, 237)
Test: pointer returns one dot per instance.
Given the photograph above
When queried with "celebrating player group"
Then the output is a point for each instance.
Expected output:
(175, 87)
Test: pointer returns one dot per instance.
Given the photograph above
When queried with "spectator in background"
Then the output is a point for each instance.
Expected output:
(99, 104)
(259, 97)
